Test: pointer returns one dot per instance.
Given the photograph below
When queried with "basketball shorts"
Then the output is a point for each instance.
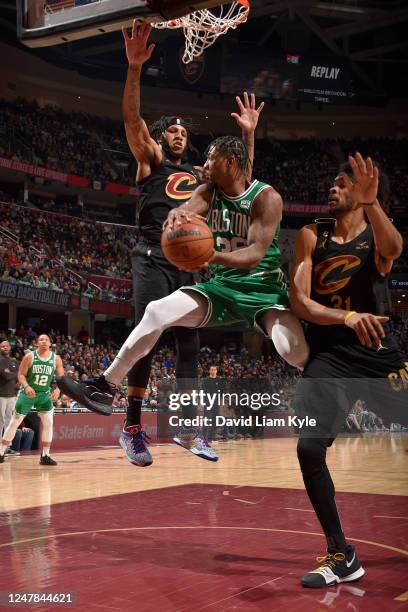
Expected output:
(237, 300)
(41, 402)
(339, 375)
(154, 277)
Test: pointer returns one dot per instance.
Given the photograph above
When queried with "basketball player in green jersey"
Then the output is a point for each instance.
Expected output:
(36, 374)
(248, 285)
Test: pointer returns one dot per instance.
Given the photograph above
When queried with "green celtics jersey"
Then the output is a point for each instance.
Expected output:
(41, 372)
(230, 218)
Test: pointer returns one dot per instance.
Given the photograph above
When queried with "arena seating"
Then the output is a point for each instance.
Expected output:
(302, 170)
(58, 252)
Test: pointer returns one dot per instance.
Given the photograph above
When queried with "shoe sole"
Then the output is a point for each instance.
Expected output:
(123, 445)
(72, 389)
(357, 575)
(192, 450)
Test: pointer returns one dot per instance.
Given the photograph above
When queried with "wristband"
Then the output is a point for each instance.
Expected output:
(349, 314)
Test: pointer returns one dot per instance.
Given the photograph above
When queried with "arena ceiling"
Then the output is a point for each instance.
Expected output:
(370, 35)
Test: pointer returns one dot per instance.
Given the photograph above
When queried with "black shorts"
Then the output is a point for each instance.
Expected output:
(154, 277)
(338, 375)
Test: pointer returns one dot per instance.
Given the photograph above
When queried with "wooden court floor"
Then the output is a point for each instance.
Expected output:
(185, 534)
(373, 463)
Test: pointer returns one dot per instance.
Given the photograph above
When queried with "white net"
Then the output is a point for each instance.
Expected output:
(202, 28)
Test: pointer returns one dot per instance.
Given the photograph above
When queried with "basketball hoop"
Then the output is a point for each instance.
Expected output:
(202, 27)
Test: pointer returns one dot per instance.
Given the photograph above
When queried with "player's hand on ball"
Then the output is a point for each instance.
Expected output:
(176, 217)
(368, 327)
(137, 51)
(29, 391)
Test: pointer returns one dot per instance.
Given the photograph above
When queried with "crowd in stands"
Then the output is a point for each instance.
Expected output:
(399, 327)
(67, 142)
(302, 170)
(57, 252)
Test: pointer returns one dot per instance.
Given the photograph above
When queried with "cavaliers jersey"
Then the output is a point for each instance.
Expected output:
(168, 186)
(345, 276)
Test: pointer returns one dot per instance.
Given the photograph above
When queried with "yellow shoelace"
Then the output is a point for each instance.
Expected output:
(330, 560)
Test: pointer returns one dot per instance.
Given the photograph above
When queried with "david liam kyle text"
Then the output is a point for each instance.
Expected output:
(253, 420)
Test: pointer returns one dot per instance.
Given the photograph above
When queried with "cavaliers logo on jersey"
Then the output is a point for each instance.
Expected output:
(178, 184)
(330, 275)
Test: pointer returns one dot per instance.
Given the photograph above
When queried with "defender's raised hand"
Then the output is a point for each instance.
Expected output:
(248, 115)
(364, 187)
(137, 51)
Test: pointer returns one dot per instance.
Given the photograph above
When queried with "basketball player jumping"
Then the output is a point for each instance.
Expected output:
(248, 284)
(165, 180)
(339, 285)
(36, 373)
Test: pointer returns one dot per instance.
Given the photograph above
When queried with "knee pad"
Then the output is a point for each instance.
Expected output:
(152, 312)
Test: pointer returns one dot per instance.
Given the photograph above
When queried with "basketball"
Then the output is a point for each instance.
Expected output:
(189, 245)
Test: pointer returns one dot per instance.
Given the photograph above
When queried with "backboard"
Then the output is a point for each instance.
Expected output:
(43, 23)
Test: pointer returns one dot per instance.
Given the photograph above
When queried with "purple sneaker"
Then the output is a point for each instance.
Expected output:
(195, 441)
(133, 440)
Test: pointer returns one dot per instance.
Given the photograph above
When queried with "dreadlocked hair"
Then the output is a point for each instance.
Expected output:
(231, 146)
